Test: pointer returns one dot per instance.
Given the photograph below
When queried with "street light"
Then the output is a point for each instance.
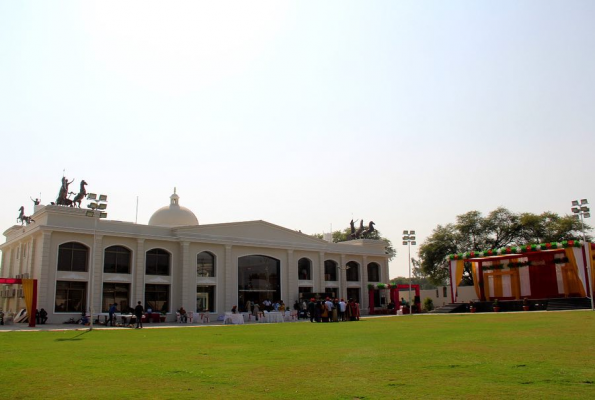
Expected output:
(96, 212)
(581, 211)
(408, 240)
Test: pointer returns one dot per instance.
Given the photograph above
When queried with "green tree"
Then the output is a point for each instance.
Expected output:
(500, 228)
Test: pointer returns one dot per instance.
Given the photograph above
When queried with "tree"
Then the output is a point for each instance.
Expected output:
(500, 228)
(344, 235)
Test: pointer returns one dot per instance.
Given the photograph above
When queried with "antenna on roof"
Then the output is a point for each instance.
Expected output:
(136, 219)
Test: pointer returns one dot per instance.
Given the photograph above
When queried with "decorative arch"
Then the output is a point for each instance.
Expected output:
(259, 279)
(352, 272)
(304, 269)
(205, 264)
(158, 262)
(117, 260)
(330, 270)
(30, 292)
(374, 272)
(73, 257)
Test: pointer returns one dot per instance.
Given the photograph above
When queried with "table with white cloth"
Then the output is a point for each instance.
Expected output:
(236, 319)
(273, 317)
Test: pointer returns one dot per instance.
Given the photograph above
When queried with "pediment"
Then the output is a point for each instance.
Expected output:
(251, 231)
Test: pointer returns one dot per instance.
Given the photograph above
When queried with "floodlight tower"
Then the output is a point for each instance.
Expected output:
(408, 240)
(96, 211)
(581, 211)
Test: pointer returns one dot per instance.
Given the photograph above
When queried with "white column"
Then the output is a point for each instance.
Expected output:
(343, 278)
(187, 281)
(46, 285)
(138, 288)
(97, 272)
(229, 289)
(364, 301)
(320, 283)
(291, 291)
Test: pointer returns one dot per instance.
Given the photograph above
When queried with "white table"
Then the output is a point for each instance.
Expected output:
(273, 317)
(236, 319)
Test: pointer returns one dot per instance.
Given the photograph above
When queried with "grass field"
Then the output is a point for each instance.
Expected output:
(506, 355)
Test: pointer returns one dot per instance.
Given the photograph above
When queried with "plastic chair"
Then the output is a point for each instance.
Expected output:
(190, 315)
(178, 317)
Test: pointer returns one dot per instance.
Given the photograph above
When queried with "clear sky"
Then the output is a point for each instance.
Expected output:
(304, 114)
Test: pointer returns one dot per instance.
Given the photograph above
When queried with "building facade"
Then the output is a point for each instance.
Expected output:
(85, 263)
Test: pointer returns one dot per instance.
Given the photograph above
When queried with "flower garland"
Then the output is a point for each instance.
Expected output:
(516, 249)
(511, 265)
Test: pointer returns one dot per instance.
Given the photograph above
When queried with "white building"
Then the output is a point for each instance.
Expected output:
(84, 262)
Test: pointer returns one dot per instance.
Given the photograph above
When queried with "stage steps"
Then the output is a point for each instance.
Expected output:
(450, 308)
(577, 303)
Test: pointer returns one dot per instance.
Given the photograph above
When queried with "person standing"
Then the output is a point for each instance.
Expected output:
(43, 316)
(335, 314)
(138, 312)
(342, 308)
(312, 309)
(256, 310)
(112, 310)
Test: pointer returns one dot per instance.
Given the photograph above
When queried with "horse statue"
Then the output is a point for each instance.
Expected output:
(80, 196)
(370, 229)
(24, 219)
(63, 199)
(358, 234)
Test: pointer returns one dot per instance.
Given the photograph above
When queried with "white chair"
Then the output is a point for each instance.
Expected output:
(178, 317)
(190, 315)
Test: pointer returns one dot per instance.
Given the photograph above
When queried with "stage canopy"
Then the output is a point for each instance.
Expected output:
(536, 271)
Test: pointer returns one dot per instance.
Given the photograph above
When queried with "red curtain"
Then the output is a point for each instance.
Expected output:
(542, 272)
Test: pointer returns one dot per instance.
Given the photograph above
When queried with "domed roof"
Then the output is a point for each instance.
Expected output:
(173, 215)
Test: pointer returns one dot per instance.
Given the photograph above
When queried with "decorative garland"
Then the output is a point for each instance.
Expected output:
(512, 265)
(516, 249)
(382, 286)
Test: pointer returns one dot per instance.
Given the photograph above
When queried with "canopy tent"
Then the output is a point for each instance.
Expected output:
(394, 295)
(538, 271)
(30, 292)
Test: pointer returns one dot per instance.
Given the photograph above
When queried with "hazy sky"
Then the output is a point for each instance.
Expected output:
(304, 114)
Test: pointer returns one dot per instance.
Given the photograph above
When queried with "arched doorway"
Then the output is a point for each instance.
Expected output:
(258, 279)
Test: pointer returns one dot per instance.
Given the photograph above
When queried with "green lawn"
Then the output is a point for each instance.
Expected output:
(506, 355)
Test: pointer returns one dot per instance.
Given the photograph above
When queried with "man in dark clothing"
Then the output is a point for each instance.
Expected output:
(43, 316)
(138, 311)
(112, 310)
(312, 309)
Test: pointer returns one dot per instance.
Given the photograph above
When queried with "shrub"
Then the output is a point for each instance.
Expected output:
(428, 304)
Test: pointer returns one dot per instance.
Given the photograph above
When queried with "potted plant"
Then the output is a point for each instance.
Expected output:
(472, 306)
(525, 304)
(496, 306)
(162, 316)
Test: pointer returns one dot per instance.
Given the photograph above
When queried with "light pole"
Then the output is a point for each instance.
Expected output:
(408, 240)
(96, 212)
(581, 211)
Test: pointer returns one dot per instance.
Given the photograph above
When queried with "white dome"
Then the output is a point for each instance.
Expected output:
(173, 215)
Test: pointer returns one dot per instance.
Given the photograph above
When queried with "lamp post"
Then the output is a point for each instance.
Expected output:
(96, 211)
(408, 240)
(581, 211)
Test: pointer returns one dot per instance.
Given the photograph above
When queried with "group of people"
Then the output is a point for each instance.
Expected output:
(41, 316)
(332, 310)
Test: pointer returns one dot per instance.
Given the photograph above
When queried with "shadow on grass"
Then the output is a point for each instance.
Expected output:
(77, 337)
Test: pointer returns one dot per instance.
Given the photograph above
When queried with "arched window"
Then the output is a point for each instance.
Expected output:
(258, 279)
(373, 272)
(352, 274)
(205, 265)
(117, 260)
(157, 262)
(304, 269)
(330, 270)
(73, 257)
